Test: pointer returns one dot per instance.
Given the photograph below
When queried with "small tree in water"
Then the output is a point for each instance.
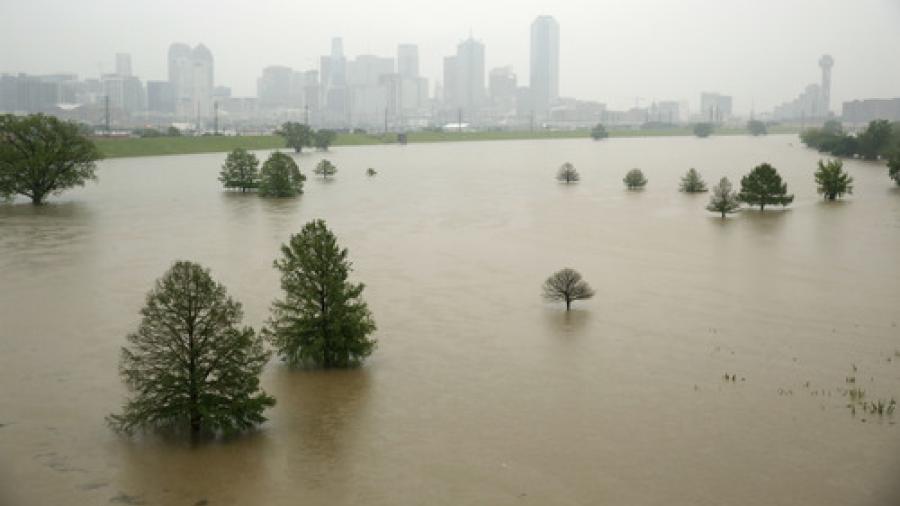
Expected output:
(323, 139)
(635, 179)
(280, 177)
(41, 155)
(831, 179)
(190, 363)
(692, 182)
(599, 132)
(322, 319)
(756, 127)
(894, 166)
(567, 173)
(296, 135)
(703, 129)
(567, 286)
(241, 170)
(370, 171)
(763, 186)
(325, 169)
(723, 200)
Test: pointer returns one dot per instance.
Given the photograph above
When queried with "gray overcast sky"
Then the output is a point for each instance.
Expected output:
(612, 51)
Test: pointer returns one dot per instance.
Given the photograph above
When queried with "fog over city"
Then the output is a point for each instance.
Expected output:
(761, 53)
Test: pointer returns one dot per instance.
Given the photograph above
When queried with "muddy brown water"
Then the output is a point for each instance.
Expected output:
(479, 392)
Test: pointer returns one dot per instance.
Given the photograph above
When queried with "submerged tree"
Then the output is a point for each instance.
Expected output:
(894, 166)
(703, 129)
(323, 139)
(566, 286)
(190, 364)
(371, 172)
(756, 127)
(296, 135)
(322, 319)
(325, 169)
(763, 186)
(41, 155)
(567, 173)
(634, 179)
(692, 182)
(831, 179)
(241, 170)
(599, 132)
(723, 199)
(280, 177)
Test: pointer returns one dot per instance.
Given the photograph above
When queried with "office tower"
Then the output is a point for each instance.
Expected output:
(408, 61)
(544, 81)
(470, 90)
(123, 64)
(191, 73)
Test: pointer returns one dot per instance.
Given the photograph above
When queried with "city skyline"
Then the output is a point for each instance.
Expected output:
(604, 56)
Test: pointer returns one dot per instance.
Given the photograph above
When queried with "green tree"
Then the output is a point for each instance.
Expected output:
(599, 132)
(875, 139)
(41, 155)
(703, 129)
(296, 135)
(894, 167)
(756, 127)
(831, 179)
(241, 170)
(324, 138)
(322, 320)
(723, 199)
(280, 177)
(191, 364)
(325, 169)
(566, 286)
(173, 132)
(634, 179)
(567, 173)
(692, 182)
(763, 186)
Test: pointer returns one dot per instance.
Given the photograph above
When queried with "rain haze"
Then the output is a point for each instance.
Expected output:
(761, 52)
(449, 253)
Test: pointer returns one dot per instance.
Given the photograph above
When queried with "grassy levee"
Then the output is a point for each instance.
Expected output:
(156, 146)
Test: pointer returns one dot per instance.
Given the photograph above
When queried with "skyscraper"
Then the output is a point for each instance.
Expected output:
(191, 74)
(408, 60)
(470, 91)
(544, 63)
(826, 62)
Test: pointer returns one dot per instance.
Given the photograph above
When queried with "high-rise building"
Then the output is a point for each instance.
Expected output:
(470, 91)
(191, 73)
(408, 61)
(123, 64)
(544, 63)
(826, 62)
(273, 88)
(160, 97)
(450, 82)
(715, 107)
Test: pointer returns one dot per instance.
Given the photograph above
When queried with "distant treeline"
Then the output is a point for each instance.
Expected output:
(880, 140)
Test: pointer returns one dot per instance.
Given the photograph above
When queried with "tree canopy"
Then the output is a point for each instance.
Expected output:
(42, 155)
(723, 199)
(323, 139)
(599, 132)
(566, 286)
(240, 170)
(280, 177)
(191, 364)
(325, 169)
(703, 129)
(634, 179)
(296, 135)
(691, 182)
(322, 319)
(894, 167)
(756, 127)
(831, 180)
(763, 186)
(567, 173)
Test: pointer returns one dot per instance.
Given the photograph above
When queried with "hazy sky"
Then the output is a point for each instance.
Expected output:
(760, 51)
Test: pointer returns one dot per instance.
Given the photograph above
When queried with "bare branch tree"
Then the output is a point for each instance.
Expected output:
(567, 285)
(567, 173)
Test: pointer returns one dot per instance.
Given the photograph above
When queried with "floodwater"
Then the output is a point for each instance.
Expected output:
(479, 392)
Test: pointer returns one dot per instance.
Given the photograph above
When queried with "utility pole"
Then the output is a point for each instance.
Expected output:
(216, 117)
(385, 120)
(532, 121)
(459, 119)
(307, 114)
(108, 132)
